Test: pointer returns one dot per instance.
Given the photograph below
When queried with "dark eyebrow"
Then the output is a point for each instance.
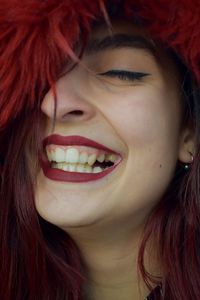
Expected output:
(119, 41)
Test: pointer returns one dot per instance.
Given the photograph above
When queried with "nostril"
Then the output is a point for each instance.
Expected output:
(76, 112)
(73, 115)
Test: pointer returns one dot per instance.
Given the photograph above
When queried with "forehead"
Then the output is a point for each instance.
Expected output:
(127, 34)
(121, 34)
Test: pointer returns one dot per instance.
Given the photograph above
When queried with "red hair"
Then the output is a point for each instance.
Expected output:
(39, 260)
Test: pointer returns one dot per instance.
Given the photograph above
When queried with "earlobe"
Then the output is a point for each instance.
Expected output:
(187, 146)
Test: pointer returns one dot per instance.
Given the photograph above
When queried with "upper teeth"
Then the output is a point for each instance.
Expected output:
(80, 155)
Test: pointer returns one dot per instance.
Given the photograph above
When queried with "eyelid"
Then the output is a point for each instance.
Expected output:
(131, 75)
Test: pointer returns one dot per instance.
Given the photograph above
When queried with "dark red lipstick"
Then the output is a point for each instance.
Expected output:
(60, 175)
(74, 140)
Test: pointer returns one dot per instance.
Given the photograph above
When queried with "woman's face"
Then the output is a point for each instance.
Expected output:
(136, 115)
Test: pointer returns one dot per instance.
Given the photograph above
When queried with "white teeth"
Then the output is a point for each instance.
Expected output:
(97, 170)
(84, 168)
(61, 166)
(88, 169)
(83, 158)
(65, 167)
(111, 157)
(72, 168)
(49, 155)
(80, 168)
(91, 159)
(59, 155)
(72, 155)
(101, 158)
(76, 168)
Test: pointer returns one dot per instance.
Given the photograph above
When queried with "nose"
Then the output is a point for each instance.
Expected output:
(72, 103)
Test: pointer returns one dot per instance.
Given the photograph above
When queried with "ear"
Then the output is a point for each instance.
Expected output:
(187, 145)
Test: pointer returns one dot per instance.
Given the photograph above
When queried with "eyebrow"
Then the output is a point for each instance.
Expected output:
(119, 41)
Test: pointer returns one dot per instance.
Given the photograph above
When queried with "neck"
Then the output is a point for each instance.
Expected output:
(112, 273)
(110, 263)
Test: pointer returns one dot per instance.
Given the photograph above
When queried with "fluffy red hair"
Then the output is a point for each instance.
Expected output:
(37, 36)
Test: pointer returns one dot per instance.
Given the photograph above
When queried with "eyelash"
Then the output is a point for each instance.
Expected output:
(125, 75)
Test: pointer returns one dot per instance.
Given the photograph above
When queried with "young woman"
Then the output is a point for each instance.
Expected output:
(99, 149)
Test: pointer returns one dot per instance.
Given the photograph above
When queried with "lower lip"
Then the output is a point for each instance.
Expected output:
(60, 175)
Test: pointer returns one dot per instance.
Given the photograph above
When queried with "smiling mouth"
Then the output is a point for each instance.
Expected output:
(80, 159)
(83, 160)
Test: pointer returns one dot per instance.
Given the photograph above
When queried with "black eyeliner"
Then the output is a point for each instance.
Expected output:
(125, 75)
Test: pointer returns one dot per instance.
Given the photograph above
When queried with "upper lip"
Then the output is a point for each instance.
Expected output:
(74, 140)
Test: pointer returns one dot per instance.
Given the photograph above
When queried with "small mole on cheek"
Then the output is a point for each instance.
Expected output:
(160, 166)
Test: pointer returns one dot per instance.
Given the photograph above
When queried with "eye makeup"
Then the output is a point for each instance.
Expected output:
(125, 75)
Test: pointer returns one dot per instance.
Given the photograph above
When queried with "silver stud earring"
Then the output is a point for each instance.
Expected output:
(187, 166)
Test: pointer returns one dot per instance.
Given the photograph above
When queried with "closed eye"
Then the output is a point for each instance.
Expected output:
(125, 75)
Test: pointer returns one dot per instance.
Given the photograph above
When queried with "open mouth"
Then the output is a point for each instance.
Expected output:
(77, 159)
(80, 159)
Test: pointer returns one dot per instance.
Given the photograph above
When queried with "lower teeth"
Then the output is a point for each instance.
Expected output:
(76, 168)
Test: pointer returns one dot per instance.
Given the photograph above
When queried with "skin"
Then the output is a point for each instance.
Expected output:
(139, 119)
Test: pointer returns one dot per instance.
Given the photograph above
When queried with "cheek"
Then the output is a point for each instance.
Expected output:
(149, 126)
(143, 118)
